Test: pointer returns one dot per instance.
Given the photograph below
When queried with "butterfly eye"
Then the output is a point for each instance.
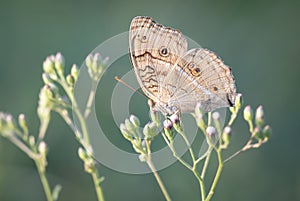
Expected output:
(164, 51)
(144, 38)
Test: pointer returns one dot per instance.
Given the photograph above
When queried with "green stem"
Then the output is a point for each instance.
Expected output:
(250, 126)
(98, 188)
(195, 162)
(22, 146)
(154, 171)
(43, 128)
(44, 180)
(206, 163)
(217, 176)
(232, 118)
(200, 181)
(181, 132)
(90, 100)
(172, 148)
(86, 139)
(209, 119)
(159, 181)
(79, 115)
(81, 120)
(69, 122)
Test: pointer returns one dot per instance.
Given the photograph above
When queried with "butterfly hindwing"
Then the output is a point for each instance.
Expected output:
(201, 77)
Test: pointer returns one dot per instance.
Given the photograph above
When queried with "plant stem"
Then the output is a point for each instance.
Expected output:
(200, 181)
(181, 132)
(86, 140)
(232, 118)
(44, 180)
(209, 119)
(22, 146)
(81, 120)
(98, 188)
(78, 113)
(206, 164)
(43, 128)
(172, 148)
(217, 176)
(195, 162)
(90, 100)
(154, 171)
(159, 181)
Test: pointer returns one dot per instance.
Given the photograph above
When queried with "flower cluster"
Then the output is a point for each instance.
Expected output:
(217, 136)
(141, 138)
(57, 95)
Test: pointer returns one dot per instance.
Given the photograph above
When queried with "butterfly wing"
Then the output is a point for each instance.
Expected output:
(200, 77)
(154, 49)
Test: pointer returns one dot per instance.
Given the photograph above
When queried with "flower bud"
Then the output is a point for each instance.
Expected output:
(176, 123)
(257, 133)
(89, 61)
(150, 130)
(95, 65)
(59, 63)
(226, 136)
(10, 123)
(155, 117)
(134, 120)
(199, 117)
(174, 118)
(238, 101)
(168, 125)
(267, 131)
(31, 141)
(259, 116)
(216, 116)
(48, 66)
(22, 123)
(129, 126)
(81, 153)
(211, 131)
(42, 148)
(248, 113)
(70, 80)
(75, 71)
(46, 78)
(125, 132)
(54, 89)
(147, 131)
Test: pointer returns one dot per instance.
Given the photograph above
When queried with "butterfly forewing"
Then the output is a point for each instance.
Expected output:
(154, 49)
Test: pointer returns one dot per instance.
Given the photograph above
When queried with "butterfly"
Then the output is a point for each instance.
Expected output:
(174, 78)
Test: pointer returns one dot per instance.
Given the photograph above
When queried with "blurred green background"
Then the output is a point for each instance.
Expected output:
(258, 39)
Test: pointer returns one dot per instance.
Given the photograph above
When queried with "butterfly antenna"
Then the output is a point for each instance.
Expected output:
(127, 85)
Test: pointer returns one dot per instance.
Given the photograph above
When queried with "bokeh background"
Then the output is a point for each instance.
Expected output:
(258, 39)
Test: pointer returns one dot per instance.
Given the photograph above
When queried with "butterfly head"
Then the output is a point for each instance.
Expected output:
(166, 109)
